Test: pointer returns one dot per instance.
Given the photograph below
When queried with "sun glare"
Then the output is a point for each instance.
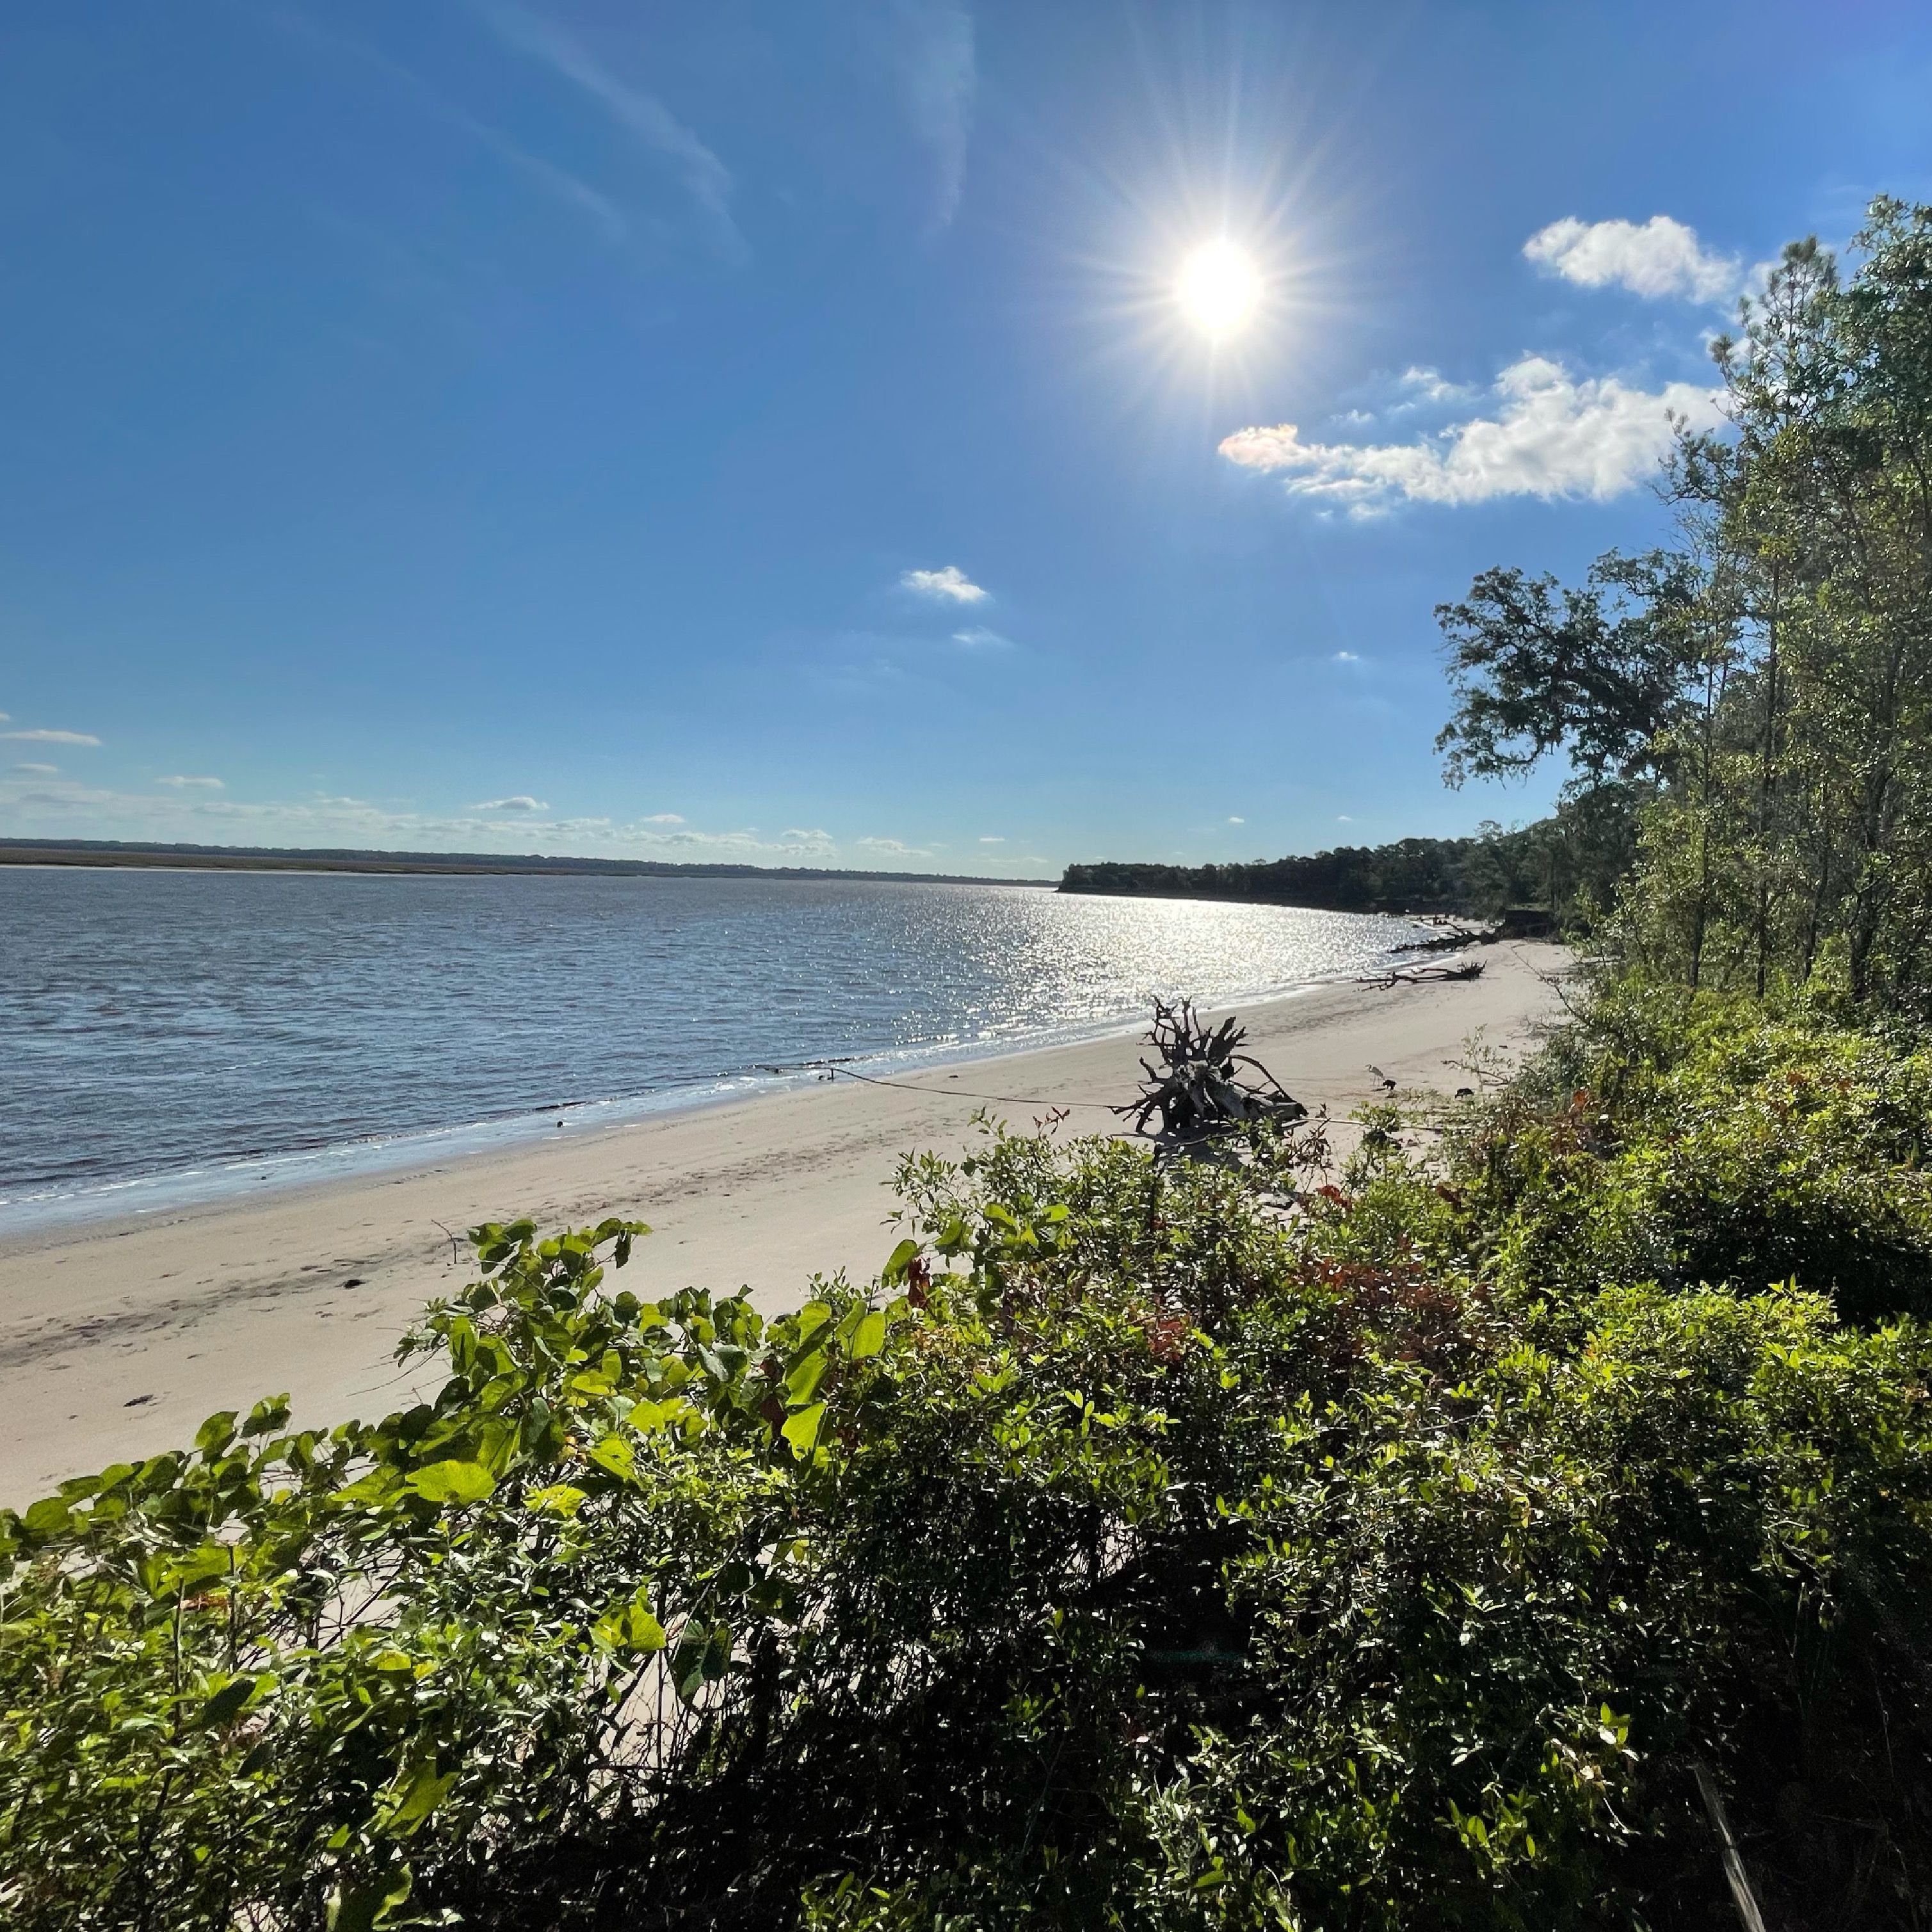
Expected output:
(1220, 289)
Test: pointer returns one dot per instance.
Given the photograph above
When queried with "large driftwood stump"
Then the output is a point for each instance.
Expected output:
(1201, 1089)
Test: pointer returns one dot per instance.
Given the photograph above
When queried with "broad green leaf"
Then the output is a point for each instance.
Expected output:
(226, 1703)
(365, 1906)
(560, 1499)
(209, 1559)
(801, 1430)
(452, 1482)
(49, 1516)
(801, 1384)
(630, 1626)
(378, 1486)
(419, 1792)
(216, 1433)
(614, 1453)
(269, 1414)
(869, 1337)
(899, 1262)
(649, 1415)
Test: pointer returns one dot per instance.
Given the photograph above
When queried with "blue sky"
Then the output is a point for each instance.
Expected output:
(771, 432)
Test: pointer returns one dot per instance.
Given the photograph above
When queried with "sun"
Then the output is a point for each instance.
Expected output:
(1220, 289)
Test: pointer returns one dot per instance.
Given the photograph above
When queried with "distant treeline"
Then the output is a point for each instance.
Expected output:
(300, 859)
(1539, 865)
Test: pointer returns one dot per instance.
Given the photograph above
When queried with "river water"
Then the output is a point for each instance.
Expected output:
(166, 1035)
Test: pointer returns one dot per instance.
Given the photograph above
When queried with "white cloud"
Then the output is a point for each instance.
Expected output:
(51, 737)
(40, 771)
(665, 818)
(5, 718)
(948, 582)
(979, 638)
(705, 178)
(39, 803)
(523, 802)
(1430, 386)
(992, 839)
(1660, 257)
(184, 784)
(1237, 821)
(1346, 657)
(940, 74)
(893, 848)
(1553, 435)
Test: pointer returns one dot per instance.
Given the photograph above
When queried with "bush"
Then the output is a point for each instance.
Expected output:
(1139, 1554)
(1687, 1139)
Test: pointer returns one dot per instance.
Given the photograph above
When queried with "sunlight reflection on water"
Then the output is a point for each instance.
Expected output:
(154, 1022)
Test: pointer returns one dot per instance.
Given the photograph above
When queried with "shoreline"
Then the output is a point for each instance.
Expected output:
(228, 1179)
(119, 1334)
(116, 855)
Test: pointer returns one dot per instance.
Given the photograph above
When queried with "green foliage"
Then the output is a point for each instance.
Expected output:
(1602, 673)
(1479, 875)
(1697, 1138)
(1769, 677)
(1140, 1553)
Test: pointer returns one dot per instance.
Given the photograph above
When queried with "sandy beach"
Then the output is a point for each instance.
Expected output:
(117, 1337)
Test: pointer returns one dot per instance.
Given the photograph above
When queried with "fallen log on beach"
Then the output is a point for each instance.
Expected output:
(1423, 976)
(1451, 939)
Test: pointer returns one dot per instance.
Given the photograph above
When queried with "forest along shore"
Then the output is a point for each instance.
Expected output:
(118, 1337)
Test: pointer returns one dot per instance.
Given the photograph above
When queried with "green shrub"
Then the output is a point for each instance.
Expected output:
(1700, 1140)
(1138, 1555)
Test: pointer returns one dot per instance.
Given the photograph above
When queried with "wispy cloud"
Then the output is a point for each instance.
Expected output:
(559, 183)
(949, 581)
(992, 839)
(42, 737)
(892, 848)
(39, 771)
(522, 802)
(38, 802)
(1420, 385)
(183, 783)
(979, 638)
(704, 177)
(1347, 657)
(1552, 435)
(1237, 821)
(1655, 258)
(939, 70)
(664, 818)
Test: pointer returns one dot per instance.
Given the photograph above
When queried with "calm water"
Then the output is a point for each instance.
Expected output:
(164, 1033)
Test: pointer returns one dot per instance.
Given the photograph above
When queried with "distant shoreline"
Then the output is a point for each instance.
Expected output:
(111, 852)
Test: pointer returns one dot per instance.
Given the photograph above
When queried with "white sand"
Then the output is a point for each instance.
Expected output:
(118, 1337)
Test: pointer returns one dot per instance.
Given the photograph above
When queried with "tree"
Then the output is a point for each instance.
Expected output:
(1600, 672)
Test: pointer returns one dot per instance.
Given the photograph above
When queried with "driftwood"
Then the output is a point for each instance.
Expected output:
(1423, 976)
(1200, 1088)
(1452, 935)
